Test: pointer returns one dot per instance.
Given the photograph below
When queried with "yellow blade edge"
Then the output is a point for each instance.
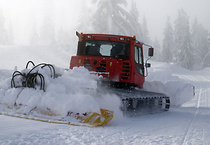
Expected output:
(96, 119)
(93, 119)
(107, 115)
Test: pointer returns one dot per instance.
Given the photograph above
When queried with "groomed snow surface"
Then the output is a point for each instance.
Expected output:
(187, 121)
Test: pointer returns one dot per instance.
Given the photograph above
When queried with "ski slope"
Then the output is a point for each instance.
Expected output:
(187, 121)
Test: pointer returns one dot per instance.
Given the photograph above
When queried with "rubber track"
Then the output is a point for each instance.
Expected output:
(160, 104)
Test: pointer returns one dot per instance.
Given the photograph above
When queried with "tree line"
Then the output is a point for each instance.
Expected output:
(188, 46)
(185, 44)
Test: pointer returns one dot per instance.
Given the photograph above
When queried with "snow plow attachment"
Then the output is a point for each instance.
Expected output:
(43, 95)
(91, 119)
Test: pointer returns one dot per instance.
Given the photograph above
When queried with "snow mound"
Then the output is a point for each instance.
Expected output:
(179, 92)
(74, 90)
(162, 78)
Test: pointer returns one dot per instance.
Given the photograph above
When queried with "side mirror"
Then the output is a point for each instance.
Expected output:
(151, 51)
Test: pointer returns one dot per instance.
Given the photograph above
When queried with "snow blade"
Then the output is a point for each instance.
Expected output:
(91, 119)
(35, 78)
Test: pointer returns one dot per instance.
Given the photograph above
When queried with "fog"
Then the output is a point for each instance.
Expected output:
(23, 13)
(156, 12)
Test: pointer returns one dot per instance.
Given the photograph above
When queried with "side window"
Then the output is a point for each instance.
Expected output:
(139, 60)
(138, 55)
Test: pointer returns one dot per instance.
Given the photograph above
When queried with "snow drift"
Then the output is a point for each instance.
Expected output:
(179, 92)
(74, 90)
(162, 79)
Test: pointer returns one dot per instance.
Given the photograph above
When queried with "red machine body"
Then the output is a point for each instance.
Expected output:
(115, 57)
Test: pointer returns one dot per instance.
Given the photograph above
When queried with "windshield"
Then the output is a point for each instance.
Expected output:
(105, 48)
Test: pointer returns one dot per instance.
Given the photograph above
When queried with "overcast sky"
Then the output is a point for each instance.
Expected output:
(21, 12)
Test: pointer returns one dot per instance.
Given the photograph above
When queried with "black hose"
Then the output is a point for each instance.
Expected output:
(30, 79)
(13, 76)
(31, 63)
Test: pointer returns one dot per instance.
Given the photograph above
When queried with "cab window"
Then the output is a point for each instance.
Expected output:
(139, 60)
(138, 55)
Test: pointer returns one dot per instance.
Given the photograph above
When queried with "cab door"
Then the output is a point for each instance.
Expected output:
(139, 66)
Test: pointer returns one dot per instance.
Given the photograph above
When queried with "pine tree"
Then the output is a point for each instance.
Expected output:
(135, 26)
(168, 42)
(206, 60)
(183, 42)
(110, 17)
(199, 44)
(85, 18)
(157, 50)
(146, 39)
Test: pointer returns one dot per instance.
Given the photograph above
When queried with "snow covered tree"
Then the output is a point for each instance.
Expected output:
(157, 50)
(146, 38)
(168, 42)
(85, 19)
(183, 41)
(135, 26)
(110, 17)
(206, 60)
(199, 43)
(3, 31)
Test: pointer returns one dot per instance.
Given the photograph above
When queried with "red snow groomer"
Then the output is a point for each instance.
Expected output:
(119, 59)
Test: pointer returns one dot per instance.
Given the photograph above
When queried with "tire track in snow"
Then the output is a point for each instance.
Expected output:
(198, 130)
(187, 134)
(206, 132)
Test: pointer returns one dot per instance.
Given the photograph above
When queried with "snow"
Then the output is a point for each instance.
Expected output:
(73, 91)
(162, 79)
(187, 121)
